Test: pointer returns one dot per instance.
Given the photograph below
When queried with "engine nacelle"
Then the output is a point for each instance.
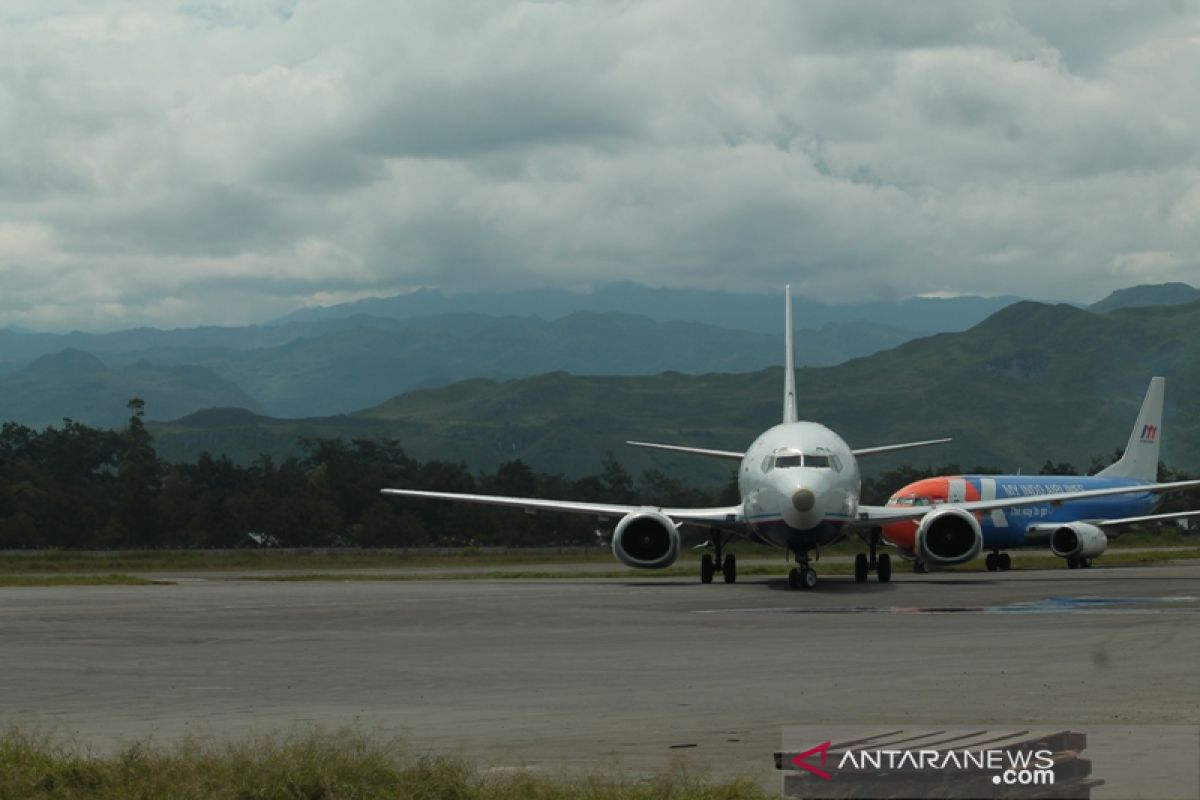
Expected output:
(1078, 540)
(948, 536)
(646, 540)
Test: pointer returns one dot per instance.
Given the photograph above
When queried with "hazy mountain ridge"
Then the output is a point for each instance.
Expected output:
(340, 365)
(1032, 382)
(337, 365)
(79, 386)
(1162, 294)
(755, 312)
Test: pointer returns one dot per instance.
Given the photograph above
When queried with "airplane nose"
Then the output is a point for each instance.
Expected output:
(803, 500)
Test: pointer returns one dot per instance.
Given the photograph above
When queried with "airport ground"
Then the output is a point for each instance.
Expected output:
(634, 672)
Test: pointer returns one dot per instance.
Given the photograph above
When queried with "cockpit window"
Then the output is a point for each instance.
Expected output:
(801, 460)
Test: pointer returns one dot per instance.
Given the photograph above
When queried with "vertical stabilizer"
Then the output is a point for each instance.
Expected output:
(1140, 460)
(789, 364)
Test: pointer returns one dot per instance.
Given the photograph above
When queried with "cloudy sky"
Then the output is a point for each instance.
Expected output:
(222, 163)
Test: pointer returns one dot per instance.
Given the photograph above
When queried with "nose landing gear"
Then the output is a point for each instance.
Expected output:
(803, 576)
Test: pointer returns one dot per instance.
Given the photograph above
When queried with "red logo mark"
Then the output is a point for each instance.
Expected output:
(1149, 432)
(799, 760)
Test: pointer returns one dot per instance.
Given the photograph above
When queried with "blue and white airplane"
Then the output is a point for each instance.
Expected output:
(799, 485)
(1076, 530)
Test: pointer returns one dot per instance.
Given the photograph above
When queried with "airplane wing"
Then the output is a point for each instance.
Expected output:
(1041, 533)
(733, 455)
(730, 455)
(887, 448)
(879, 515)
(723, 517)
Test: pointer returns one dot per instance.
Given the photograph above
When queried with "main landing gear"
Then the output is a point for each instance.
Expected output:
(803, 576)
(998, 561)
(880, 564)
(1079, 563)
(718, 560)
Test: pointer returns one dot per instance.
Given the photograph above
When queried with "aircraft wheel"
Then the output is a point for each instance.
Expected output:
(706, 569)
(1085, 563)
(794, 579)
(808, 578)
(883, 569)
(861, 568)
(1072, 563)
(920, 567)
(990, 561)
(1004, 562)
(729, 568)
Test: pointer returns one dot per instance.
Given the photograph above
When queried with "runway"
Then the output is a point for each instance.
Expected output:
(634, 671)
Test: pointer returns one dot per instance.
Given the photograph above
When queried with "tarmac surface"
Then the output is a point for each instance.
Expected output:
(590, 672)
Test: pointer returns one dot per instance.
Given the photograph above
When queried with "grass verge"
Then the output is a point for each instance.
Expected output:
(66, 561)
(689, 570)
(313, 766)
(76, 580)
(70, 567)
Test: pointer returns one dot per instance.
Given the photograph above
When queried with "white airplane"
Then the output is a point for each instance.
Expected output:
(799, 485)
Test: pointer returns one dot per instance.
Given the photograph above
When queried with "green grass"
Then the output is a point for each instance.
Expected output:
(67, 561)
(689, 569)
(76, 580)
(310, 766)
(71, 568)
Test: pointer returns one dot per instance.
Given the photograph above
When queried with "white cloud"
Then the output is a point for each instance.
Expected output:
(224, 162)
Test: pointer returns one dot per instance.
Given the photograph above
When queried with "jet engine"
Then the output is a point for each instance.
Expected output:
(1078, 540)
(646, 540)
(948, 536)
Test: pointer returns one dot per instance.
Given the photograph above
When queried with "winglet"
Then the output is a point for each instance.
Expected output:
(789, 365)
(1140, 459)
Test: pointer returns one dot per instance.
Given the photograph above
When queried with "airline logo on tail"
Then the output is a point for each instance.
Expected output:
(1149, 432)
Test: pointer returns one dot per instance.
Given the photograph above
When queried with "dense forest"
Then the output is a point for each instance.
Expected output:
(77, 487)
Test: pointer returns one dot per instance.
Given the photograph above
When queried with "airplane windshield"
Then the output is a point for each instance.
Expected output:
(801, 460)
(909, 501)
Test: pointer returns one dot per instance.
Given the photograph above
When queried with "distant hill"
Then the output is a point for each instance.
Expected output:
(756, 312)
(366, 364)
(1162, 294)
(80, 386)
(340, 365)
(1032, 382)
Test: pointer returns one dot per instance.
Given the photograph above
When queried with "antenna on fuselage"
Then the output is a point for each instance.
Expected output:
(789, 364)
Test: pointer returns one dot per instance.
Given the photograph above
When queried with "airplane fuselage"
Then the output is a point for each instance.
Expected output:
(1005, 528)
(800, 485)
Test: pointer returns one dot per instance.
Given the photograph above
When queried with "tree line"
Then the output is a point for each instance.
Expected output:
(78, 487)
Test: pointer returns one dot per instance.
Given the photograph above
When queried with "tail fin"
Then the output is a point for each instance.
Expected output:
(1140, 460)
(789, 366)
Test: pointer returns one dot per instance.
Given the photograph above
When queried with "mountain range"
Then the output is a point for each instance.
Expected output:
(1030, 383)
(756, 312)
(338, 360)
(76, 385)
